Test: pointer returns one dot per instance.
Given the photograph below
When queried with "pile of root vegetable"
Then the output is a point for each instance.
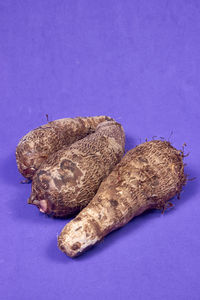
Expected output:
(77, 168)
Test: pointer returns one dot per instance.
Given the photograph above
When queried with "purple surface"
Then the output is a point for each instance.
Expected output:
(139, 62)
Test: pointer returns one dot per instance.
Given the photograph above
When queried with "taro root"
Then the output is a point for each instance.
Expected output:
(146, 178)
(39, 143)
(70, 177)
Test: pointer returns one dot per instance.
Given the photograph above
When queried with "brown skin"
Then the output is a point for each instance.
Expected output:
(38, 144)
(69, 178)
(146, 178)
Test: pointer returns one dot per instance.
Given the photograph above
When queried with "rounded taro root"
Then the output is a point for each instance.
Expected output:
(146, 178)
(69, 178)
(39, 143)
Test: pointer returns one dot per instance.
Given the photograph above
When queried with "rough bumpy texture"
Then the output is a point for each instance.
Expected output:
(39, 143)
(146, 178)
(69, 178)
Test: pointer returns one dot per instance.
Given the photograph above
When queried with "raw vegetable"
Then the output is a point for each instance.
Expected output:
(146, 178)
(39, 143)
(70, 177)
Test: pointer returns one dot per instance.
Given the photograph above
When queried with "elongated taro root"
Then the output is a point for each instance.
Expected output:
(146, 178)
(39, 143)
(69, 178)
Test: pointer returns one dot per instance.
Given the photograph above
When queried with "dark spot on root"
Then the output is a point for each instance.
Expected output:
(96, 226)
(67, 164)
(99, 199)
(77, 219)
(29, 172)
(62, 247)
(76, 246)
(45, 184)
(58, 183)
(114, 203)
(73, 176)
(78, 228)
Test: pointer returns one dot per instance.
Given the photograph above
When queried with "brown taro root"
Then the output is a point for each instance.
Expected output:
(70, 177)
(146, 178)
(39, 143)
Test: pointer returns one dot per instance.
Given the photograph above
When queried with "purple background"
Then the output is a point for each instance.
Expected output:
(139, 62)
